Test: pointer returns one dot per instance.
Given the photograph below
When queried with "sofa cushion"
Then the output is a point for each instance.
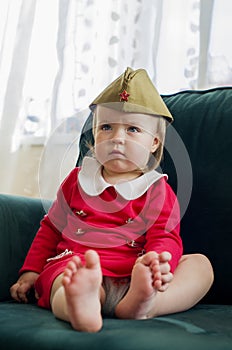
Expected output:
(36, 328)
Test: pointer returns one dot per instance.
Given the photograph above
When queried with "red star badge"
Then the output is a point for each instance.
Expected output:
(124, 96)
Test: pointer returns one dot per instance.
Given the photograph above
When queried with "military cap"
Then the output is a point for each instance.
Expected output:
(133, 91)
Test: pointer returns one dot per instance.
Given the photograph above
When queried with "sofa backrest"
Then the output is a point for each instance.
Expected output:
(203, 120)
(198, 161)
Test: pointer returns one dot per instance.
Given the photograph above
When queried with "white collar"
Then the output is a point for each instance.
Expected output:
(92, 182)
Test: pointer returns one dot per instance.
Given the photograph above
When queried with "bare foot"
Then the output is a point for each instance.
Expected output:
(145, 282)
(82, 289)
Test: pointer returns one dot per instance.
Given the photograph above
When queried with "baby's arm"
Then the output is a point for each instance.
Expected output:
(163, 233)
(19, 291)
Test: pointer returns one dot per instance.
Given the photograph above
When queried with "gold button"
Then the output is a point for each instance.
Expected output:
(129, 220)
(80, 231)
(81, 213)
(132, 243)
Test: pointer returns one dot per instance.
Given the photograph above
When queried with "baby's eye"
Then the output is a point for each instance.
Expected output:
(106, 127)
(133, 129)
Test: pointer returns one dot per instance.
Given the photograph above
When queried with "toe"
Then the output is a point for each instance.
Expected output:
(92, 259)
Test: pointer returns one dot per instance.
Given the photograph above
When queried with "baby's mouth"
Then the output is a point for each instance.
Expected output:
(117, 153)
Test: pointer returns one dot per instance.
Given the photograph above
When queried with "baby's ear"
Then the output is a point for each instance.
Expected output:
(155, 145)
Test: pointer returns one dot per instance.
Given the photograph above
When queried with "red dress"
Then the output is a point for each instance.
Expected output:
(118, 228)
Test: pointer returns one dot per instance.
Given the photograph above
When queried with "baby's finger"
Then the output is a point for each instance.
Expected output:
(157, 279)
(22, 292)
(13, 291)
(167, 278)
(22, 297)
(163, 287)
(165, 257)
(148, 258)
(36, 295)
(164, 267)
(157, 284)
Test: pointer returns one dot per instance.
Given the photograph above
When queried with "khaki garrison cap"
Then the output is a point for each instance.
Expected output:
(134, 92)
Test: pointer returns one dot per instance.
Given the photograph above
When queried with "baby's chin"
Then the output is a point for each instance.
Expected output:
(120, 164)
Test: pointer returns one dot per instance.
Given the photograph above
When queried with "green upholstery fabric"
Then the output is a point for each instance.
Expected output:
(203, 327)
(203, 120)
(19, 221)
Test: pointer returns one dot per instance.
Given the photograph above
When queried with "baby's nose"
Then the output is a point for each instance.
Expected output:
(118, 135)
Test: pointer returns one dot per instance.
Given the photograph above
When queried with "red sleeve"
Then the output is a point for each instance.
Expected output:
(49, 234)
(163, 233)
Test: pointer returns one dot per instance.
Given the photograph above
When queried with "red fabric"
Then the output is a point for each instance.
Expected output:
(105, 224)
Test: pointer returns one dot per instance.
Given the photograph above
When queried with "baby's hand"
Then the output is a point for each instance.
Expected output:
(162, 267)
(19, 291)
(159, 267)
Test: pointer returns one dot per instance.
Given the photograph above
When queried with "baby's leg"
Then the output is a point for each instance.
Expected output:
(145, 282)
(77, 300)
(192, 279)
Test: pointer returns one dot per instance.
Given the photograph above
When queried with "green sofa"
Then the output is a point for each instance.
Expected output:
(198, 159)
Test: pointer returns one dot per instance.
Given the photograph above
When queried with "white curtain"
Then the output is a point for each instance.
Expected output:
(56, 56)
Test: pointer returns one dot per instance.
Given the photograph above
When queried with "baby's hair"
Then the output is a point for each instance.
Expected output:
(157, 156)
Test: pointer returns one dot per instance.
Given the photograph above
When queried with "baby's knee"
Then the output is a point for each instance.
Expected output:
(203, 264)
(204, 260)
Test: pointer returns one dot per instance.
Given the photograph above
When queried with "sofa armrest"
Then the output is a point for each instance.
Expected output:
(19, 221)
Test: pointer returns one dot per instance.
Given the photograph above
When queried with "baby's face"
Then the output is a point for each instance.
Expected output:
(124, 141)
